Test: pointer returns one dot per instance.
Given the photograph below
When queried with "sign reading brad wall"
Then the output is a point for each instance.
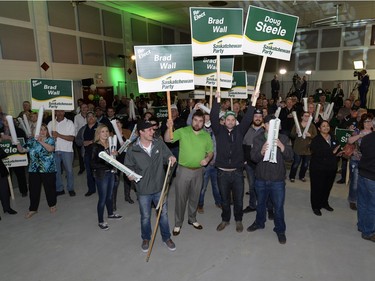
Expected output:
(269, 33)
(239, 86)
(52, 94)
(205, 70)
(162, 68)
(216, 31)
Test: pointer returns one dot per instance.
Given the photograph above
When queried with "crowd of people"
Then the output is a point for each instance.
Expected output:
(220, 145)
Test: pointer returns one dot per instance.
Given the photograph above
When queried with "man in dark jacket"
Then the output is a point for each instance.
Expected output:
(230, 161)
(270, 180)
(147, 157)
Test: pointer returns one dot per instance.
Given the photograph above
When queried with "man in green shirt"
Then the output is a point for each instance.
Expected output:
(195, 152)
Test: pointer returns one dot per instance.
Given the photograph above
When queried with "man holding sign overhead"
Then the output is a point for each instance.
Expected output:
(230, 161)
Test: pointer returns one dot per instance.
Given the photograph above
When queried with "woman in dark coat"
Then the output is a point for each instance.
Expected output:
(323, 167)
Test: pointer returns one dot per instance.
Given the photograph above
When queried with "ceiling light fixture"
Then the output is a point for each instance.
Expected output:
(218, 3)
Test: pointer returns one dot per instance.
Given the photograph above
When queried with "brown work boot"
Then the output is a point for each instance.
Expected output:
(222, 225)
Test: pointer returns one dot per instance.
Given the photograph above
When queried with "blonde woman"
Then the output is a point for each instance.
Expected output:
(104, 175)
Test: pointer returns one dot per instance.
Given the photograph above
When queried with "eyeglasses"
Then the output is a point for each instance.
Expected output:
(366, 121)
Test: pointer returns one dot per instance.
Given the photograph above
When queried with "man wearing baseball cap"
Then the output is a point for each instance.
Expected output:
(230, 161)
(147, 157)
(270, 179)
(255, 129)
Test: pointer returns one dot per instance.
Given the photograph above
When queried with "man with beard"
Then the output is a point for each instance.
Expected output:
(195, 152)
(255, 129)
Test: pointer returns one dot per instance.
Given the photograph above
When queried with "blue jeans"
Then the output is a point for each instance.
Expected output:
(210, 172)
(145, 209)
(105, 186)
(89, 176)
(276, 191)
(305, 159)
(231, 183)
(353, 186)
(251, 178)
(67, 159)
(366, 206)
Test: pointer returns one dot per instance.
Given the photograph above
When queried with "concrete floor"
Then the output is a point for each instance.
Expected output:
(68, 245)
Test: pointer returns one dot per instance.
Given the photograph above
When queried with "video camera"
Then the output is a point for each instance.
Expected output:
(357, 73)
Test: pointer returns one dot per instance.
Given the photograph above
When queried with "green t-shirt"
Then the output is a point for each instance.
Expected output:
(193, 147)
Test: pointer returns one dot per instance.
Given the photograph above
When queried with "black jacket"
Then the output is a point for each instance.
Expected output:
(322, 157)
(229, 149)
(98, 165)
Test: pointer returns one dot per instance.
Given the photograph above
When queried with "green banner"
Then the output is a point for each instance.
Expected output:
(269, 33)
(216, 31)
(164, 68)
(14, 159)
(205, 71)
(52, 94)
(342, 136)
(239, 86)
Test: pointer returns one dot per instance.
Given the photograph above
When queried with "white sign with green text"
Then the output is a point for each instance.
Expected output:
(52, 94)
(205, 71)
(164, 68)
(216, 31)
(239, 86)
(269, 33)
(196, 95)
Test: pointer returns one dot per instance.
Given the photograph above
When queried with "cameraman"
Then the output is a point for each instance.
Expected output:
(364, 84)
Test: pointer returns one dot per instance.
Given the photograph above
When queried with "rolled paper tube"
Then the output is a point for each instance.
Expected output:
(110, 145)
(27, 125)
(22, 124)
(298, 128)
(277, 113)
(132, 137)
(39, 121)
(204, 108)
(12, 130)
(117, 131)
(307, 127)
(329, 111)
(317, 111)
(119, 166)
(305, 104)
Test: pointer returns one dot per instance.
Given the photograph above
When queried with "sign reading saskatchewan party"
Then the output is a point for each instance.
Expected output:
(164, 68)
(52, 94)
(14, 159)
(239, 86)
(269, 33)
(205, 71)
(216, 31)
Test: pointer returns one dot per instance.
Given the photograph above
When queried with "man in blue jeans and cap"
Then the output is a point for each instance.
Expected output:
(270, 179)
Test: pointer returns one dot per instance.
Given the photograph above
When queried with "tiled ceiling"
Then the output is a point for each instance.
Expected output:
(176, 13)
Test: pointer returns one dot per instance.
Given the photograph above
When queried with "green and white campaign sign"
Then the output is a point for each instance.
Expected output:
(251, 83)
(342, 136)
(164, 68)
(161, 112)
(239, 86)
(14, 159)
(216, 31)
(269, 33)
(196, 95)
(52, 94)
(205, 71)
